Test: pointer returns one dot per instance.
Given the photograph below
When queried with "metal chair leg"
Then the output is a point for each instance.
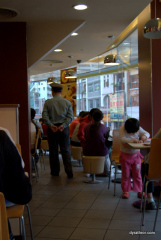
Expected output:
(23, 228)
(157, 212)
(115, 179)
(29, 216)
(109, 180)
(143, 213)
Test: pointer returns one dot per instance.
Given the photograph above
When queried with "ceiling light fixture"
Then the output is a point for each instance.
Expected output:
(57, 50)
(50, 80)
(80, 7)
(111, 59)
(70, 73)
(74, 34)
(152, 28)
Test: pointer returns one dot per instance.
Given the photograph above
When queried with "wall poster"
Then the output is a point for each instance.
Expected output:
(69, 89)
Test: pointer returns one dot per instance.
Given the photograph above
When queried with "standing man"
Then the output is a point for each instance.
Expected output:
(57, 115)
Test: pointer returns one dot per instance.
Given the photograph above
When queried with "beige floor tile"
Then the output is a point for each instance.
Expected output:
(88, 234)
(95, 223)
(56, 232)
(64, 222)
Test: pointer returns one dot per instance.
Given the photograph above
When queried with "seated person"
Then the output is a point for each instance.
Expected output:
(83, 122)
(44, 128)
(95, 139)
(74, 123)
(14, 184)
(74, 139)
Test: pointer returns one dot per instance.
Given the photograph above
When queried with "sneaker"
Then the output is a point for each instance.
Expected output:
(151, 206)
(125, 195)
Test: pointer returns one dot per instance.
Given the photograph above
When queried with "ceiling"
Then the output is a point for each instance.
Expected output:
(51, 22)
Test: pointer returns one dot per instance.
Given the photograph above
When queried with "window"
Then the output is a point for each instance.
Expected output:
(44, 88)
(106, 81)
(97, 86)
(90, 88)
(90, 103)
(97, 103)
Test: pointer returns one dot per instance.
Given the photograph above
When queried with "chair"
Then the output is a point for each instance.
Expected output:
(4, 232)
(76, 153)
(93, 165)
(17, 211)
(115, 155)
(38, 136)
(154, 174)
(44, 146)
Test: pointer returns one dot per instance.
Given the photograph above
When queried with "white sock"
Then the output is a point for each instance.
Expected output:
(150, 200)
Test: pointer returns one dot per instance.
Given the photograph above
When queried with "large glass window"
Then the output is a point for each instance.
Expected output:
(114, 89)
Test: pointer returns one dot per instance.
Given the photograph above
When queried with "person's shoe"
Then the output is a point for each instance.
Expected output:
(150, 206)
(70, 175)
(125, 195)
(140, 194)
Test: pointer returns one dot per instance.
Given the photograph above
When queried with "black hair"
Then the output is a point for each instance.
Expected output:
(81, 113)
(97, 116)
(33, 113)
(85, 113)
(92, 111)
(56, 89)
(132, 125)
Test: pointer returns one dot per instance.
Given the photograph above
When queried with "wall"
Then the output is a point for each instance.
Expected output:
(13, 78)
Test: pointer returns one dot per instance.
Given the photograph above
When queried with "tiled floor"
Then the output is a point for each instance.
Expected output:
(64, 208)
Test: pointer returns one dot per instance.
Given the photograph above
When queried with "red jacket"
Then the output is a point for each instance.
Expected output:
(83, 122)
(73, 125)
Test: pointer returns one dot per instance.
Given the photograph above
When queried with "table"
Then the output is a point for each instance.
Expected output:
(139, 145)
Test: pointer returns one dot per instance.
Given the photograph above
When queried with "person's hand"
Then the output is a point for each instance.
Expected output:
(61, 128)
(135, 140)
(143, 138)
(54, 128)
(140, 141)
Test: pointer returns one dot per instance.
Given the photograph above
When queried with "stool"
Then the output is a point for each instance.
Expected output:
(76, 153)
(93, 165)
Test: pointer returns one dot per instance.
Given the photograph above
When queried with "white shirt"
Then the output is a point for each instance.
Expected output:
(128, 138)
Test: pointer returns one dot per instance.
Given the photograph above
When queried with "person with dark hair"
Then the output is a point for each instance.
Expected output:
(74, 139)
(57, 115)
(74, 123)
(83, 122)
(14, 184)
(95, 138)
(130, 158)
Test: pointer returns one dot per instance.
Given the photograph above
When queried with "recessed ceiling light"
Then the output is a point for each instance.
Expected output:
(74, 34)
(57, 50)
(80, 7)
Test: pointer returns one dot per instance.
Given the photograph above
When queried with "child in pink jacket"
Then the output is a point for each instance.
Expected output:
(130, 158)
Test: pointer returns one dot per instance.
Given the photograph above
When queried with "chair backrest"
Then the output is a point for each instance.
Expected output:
(44, 145)
(93, 164)
(38, 136)
(116, 145)
(154, 172)
(19, 148)
(4, 233)
(76, 152)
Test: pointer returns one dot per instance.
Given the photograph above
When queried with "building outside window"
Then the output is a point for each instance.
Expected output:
(114, 90)
(90, 88)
